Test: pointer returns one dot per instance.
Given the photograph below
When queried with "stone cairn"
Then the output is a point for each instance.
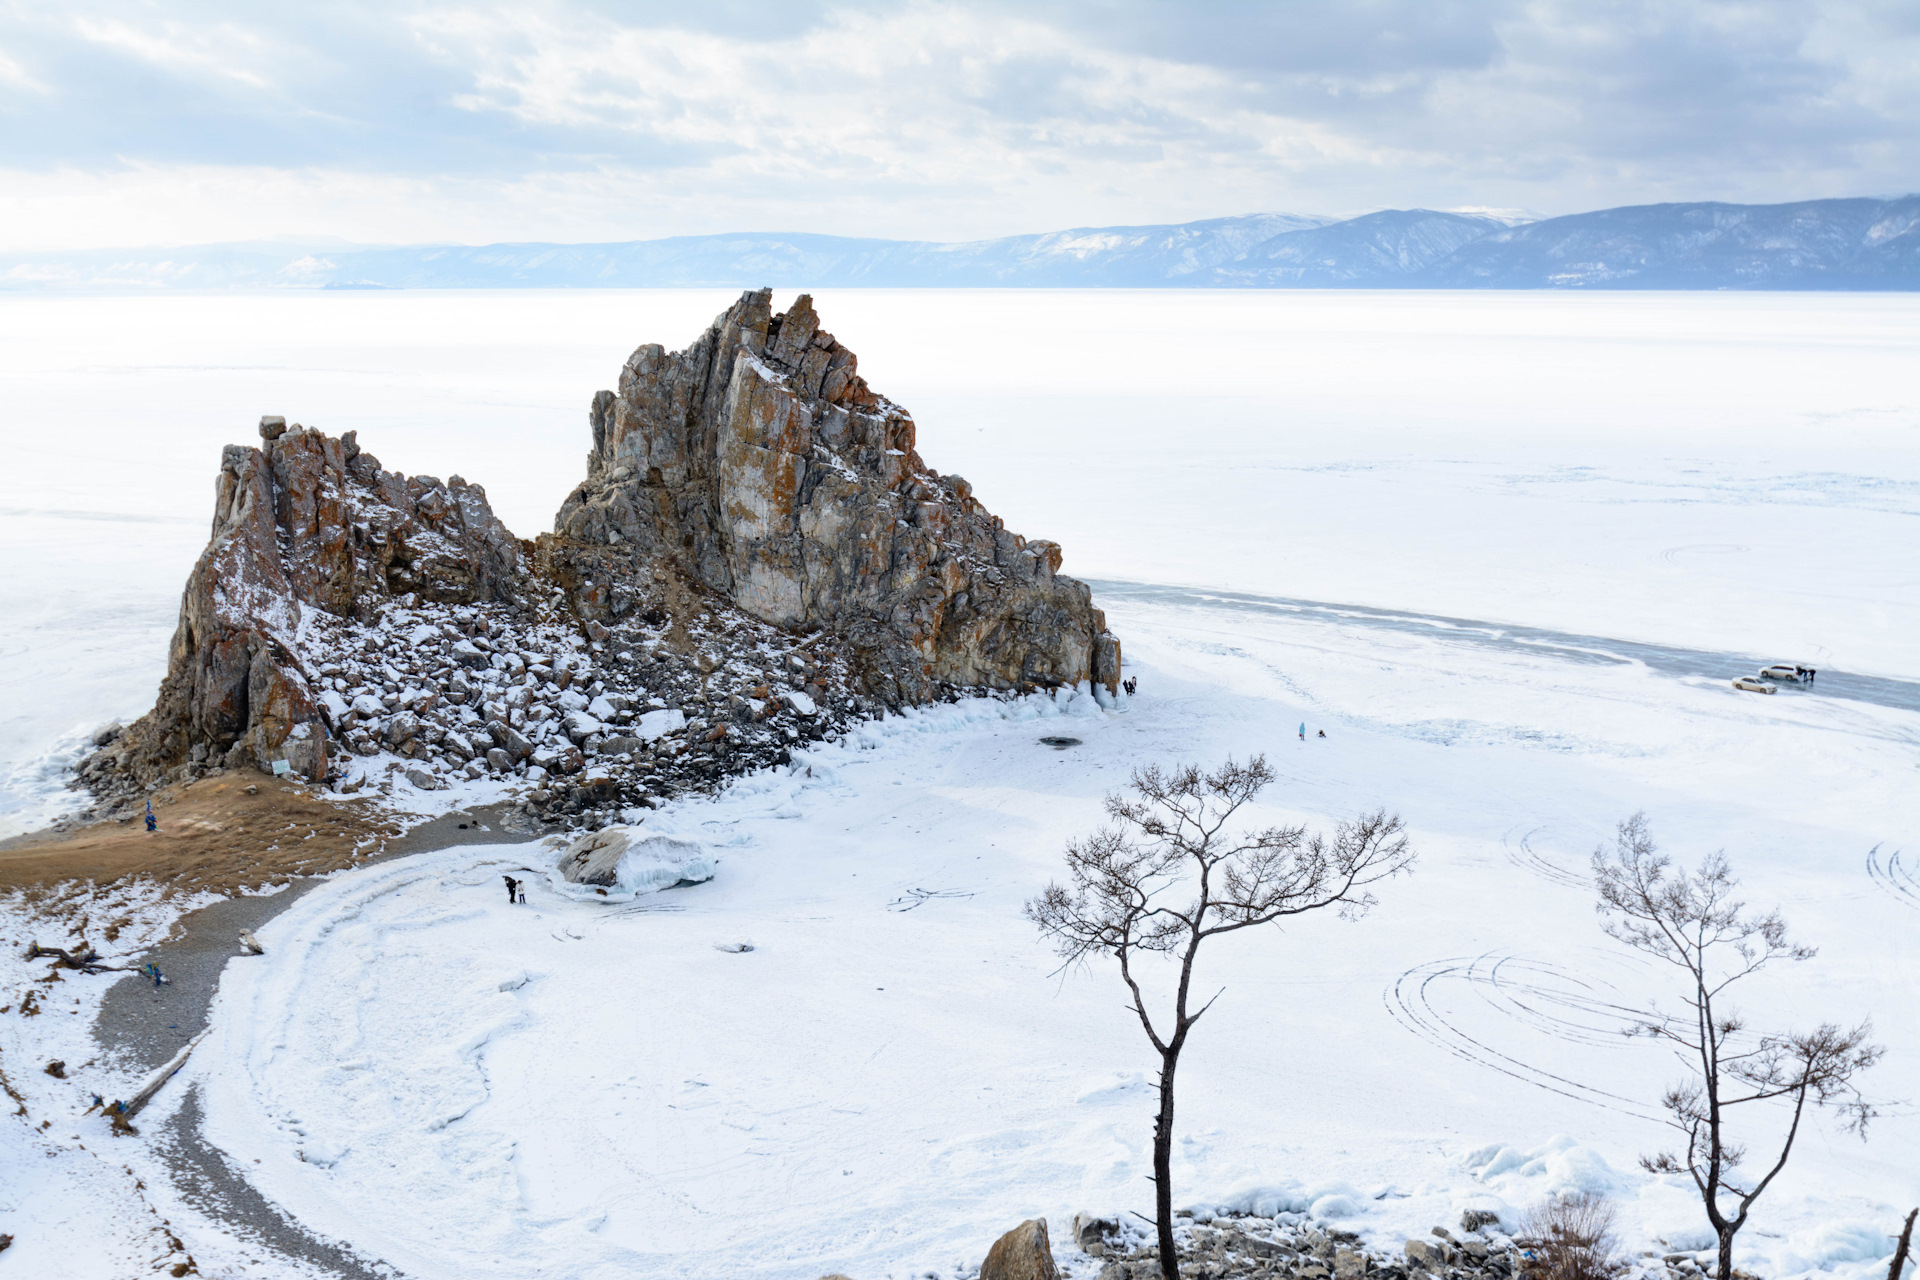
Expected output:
(758, 558)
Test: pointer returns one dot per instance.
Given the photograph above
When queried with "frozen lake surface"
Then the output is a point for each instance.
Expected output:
(1734, 473)
(1506, 549)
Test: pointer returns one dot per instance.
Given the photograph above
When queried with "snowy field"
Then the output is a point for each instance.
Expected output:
(1553, 527)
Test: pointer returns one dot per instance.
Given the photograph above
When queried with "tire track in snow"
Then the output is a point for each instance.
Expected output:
(1522, 854)
(1893, 876)
(1542, 997)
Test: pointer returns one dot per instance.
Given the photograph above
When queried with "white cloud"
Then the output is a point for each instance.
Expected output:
(563, 121)
(223, 49)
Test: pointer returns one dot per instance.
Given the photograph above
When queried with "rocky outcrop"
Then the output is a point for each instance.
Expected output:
(303, 522)
(757, 558)
(761, 462)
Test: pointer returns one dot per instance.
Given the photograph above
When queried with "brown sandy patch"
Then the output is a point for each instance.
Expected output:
(232, 831)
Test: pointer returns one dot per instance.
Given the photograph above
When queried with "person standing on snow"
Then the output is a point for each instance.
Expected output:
(1303, 731)
(513, 887)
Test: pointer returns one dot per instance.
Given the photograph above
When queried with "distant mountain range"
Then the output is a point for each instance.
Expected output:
(1814, 244)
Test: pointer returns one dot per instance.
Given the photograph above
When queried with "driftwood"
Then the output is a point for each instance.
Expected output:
(131, 1108)
(82, 958)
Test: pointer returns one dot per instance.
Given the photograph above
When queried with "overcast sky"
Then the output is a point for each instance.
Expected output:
(133, 123)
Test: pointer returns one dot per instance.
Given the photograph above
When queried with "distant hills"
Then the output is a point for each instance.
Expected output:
(1814, 244)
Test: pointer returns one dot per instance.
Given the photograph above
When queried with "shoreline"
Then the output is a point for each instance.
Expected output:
(145, 1028)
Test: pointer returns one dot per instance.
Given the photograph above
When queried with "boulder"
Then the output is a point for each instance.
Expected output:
(627, 857)
(1431, 1254)
(657, 724)
(402, 728)
(579, 726)
(1022, 1254)
(510, 740)
(1090, 1233)
(595, 857)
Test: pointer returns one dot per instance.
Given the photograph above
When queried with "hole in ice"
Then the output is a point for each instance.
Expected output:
(1060, 744)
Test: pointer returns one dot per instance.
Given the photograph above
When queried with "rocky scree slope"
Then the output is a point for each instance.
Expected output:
(351, 625)
(762, 463)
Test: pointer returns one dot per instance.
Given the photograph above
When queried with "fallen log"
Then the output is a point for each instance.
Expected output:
(122, 1118)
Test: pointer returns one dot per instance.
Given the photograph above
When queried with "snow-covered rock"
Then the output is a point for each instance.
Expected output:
(625, 858)
(657, 724)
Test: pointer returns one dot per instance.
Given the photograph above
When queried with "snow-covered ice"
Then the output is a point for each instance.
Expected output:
(1506, 550)
(881, 1091)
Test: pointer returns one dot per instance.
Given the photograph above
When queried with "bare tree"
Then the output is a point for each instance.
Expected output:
(1170, 834)
(1576, 1236)
(1691, 920)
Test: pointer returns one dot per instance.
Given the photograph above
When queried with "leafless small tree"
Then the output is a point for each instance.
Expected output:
(1170, 834)
(1691, 920)
(1576, 1237)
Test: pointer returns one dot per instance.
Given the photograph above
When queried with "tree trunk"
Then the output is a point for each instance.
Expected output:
(1163, 1169)
(1725, 1270)
(1900, 1254)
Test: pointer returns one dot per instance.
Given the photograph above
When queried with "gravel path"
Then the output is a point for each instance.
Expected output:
(147, 1026)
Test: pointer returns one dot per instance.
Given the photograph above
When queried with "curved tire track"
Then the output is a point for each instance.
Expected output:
(1522, 854)
(1543, 997)
(1894, 876)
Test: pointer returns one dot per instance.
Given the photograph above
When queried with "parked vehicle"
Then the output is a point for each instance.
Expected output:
(1780, 671)
(1753, 684)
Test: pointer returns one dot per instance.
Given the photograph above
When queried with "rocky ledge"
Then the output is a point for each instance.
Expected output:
(758, 557)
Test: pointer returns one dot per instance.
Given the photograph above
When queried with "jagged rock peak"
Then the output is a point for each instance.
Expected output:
(305, 521)
(761, 462)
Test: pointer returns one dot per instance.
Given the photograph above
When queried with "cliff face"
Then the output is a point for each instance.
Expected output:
(761, 462)
(303, 522)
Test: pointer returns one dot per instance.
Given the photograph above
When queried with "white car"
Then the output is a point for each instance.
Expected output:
(1780, 671)
(1753, 684)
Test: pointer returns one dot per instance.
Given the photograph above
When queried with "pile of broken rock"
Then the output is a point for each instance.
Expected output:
(1291, 1245)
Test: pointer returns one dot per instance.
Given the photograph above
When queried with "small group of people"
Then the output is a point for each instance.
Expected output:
(1303, 731)
(516, 889)
(1130, 684)
(1804, 675)
(152, 970)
